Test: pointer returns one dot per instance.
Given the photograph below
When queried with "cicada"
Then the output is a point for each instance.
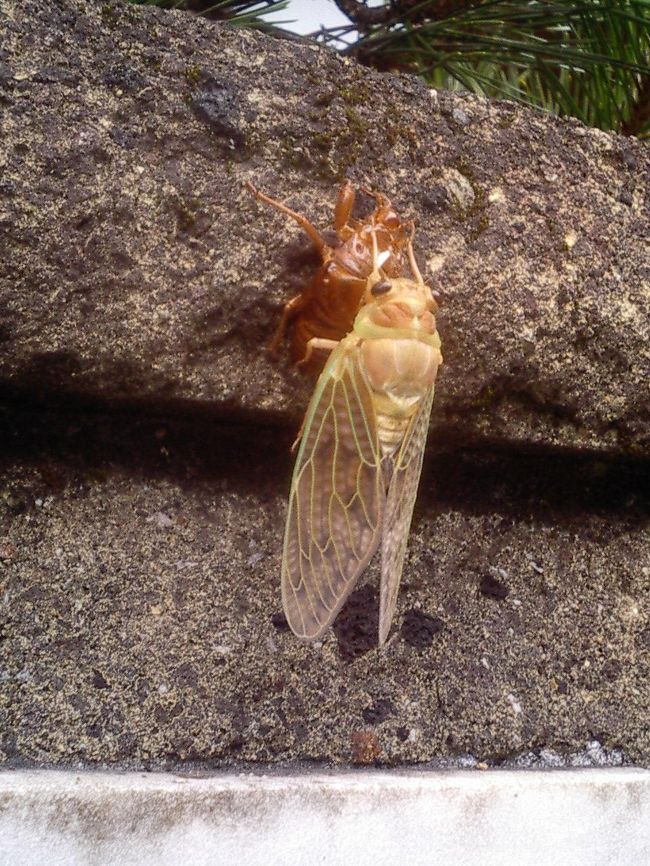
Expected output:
(360, 455)
(327, 305)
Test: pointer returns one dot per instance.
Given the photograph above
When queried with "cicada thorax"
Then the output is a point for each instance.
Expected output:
(399, 355)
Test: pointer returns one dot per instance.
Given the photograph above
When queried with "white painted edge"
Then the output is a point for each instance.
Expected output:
(365, 818)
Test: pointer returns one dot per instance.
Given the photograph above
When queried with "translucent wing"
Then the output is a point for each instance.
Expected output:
(337, 498)
(399, 510)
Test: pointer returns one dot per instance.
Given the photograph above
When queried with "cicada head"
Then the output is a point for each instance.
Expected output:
(382, 289)
(400, 303)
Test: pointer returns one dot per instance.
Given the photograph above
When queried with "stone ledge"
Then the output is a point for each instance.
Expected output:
(591, 817)
(136, 265)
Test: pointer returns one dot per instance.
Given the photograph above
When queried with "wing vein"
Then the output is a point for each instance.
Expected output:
(336, 500)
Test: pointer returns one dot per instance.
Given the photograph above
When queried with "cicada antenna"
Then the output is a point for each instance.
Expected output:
(411, 257)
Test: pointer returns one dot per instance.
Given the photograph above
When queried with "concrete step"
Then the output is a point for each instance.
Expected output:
(368, 818)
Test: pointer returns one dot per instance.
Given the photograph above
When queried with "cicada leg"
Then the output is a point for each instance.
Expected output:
(343, 209)
(289, 311)
(302, 221)
(381, 201)
(384, 214)
(314, 343)
(317, 343)
(414, 265)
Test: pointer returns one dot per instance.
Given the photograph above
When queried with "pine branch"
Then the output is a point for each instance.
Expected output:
(365, 17)
(638, 120)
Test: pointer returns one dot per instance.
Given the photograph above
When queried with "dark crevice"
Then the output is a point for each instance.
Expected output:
(72, 437)
(531, 399)
(87, 438)
(537, 485)
(35, 395)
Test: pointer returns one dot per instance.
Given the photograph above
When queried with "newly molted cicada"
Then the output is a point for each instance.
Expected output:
(327, 305)
(360, 455)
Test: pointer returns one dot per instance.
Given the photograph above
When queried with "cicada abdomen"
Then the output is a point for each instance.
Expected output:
(360, 457)
(328, 304)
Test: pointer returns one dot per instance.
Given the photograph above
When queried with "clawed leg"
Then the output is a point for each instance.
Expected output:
(343, 209)
(317, 343)
(386, 215)
(314, 343)
(380, 199)
(290, 309)
(302, 221)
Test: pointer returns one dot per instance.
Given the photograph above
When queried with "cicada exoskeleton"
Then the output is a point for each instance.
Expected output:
(327, 305)
(360, 455)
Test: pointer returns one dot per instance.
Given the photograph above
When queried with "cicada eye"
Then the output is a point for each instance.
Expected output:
(381, 288)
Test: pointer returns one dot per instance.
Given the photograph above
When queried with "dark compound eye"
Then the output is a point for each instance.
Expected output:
(381, 288)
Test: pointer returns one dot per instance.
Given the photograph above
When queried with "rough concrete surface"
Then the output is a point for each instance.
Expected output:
(145, 435)
(140, 562)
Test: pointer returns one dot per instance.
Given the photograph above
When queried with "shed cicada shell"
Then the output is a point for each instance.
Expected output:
(328, 304)
(361, 448)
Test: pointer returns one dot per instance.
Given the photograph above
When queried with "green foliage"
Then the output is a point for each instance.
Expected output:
(589, 60)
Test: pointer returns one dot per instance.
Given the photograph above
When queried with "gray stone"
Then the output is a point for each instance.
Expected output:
(136, 265)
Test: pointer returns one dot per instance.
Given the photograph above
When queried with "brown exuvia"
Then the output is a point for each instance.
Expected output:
(328, 304)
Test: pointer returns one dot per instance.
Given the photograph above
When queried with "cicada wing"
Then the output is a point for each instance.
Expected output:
(399, 511)
(337, 498)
